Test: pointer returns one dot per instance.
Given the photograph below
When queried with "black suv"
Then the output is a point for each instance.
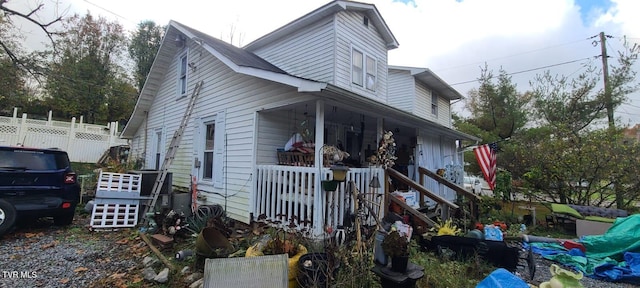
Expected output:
(36, 183)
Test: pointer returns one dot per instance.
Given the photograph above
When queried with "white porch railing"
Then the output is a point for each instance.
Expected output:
(286, 192)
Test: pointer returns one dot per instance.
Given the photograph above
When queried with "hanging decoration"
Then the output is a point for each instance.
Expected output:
(385, 156)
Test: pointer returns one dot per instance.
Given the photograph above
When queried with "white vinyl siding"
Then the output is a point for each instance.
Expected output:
(307, 53)
(444, 112)
(239, 96)
(401, 93)
(423, 101)
(352, 33)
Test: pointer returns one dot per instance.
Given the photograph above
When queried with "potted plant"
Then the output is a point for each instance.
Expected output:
(281, 239)
(396, 246)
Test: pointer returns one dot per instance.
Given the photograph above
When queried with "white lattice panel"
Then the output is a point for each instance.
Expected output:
(114, 215)
(117, 200)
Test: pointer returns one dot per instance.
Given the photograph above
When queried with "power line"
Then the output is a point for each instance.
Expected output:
(513, 55)
(532, 69)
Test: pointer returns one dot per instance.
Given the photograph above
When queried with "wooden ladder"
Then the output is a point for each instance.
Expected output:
(171, 152)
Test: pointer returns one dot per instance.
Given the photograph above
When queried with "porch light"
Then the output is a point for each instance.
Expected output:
(339, 172)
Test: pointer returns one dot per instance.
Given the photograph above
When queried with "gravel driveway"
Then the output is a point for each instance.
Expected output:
(39, 254)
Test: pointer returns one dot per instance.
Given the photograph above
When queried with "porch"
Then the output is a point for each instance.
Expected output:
(291, 194)
(284, 193)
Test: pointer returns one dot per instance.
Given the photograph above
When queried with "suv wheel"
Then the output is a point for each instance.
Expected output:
(7, 216)
(64, 219)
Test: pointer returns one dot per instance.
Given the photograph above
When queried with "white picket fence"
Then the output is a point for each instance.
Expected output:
(84, 142)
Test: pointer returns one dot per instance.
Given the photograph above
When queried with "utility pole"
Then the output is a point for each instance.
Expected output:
(605, 76)
(609, 105)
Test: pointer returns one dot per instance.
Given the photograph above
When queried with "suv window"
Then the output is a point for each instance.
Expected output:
(33, 160)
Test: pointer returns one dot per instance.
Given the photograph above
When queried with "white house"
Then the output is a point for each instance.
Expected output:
(324, 72)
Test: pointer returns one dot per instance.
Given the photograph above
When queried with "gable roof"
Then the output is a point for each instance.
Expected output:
(237, 59)
(329, 9)
(432, 80)
(237, 55)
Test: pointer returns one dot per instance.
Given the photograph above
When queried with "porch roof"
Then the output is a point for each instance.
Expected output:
(425, 75)
(355, 100)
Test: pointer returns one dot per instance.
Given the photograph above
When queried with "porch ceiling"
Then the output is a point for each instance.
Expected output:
(364, 105)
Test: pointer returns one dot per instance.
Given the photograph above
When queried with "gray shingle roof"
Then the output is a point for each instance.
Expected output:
(237, 55)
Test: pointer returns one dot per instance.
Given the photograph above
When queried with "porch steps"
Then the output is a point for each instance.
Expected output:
(173, 149)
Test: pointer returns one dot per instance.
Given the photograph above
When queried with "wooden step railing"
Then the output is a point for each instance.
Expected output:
(446, 204)
(453, 186)
(424, 192)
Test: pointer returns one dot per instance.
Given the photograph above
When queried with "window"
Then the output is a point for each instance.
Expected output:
(211, 149)
(371, 74)
(158, 148)
(356, 67)
(363, 70)
(207, 172)
(182, 75)
(434, 104)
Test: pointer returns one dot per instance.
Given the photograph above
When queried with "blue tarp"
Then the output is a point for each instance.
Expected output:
(614, 256)
(501, 278)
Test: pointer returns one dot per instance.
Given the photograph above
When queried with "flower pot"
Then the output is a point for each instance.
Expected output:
(399, 263)
(212, 244)
(256, 251)
(329, 185)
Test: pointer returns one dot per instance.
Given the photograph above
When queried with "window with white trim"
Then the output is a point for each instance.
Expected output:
(371, 73)
(363, 70)
(434, 104)
(208, 151)
(211, 143)
(356, 67)
(182, 75)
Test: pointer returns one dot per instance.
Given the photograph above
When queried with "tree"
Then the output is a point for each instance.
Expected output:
(575, 159)
(12, 86)
(10, 38)
(497, 113)
(143, 47)
(85, 71)
(497, 108)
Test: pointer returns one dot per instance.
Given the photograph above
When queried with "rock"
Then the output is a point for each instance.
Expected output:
(185, 270)
(149, 261)
(163, 276)
(193, 277)
(197, 284)
(148, 274)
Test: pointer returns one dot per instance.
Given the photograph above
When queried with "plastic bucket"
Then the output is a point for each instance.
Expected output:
(211, 243)
(379, 255)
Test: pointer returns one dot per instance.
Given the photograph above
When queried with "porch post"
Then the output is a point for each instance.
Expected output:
(318, 211)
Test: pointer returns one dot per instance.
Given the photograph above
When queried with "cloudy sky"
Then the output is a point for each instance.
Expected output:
(453, 38)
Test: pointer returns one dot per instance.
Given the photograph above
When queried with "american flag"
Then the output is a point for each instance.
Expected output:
(486, 155)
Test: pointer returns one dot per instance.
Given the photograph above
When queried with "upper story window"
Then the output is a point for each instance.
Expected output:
(182, 75)
(434, 104)
(371, 73)
(356, 67)
(363, 69)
